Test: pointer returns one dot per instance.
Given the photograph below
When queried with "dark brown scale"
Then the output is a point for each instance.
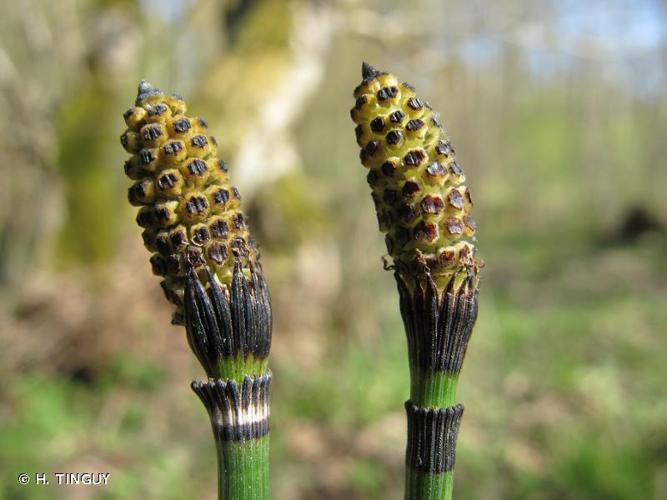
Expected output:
(387, 93)
(157, 110)
(454, 226)
(183, 125)
(137, 192)
(239, 221)
(432, 204)
(236, 193)
(388, 168)
(435, 120)
(414, 125)
(193, 256)
(151, 132)
(402, 236)
(219, 229)
(173, 147)
(385, 219)
(130, 171)
(217, 253)
(426, 231)
(201, 235)
(146, 217)
(196, 205)
(148, 236)
(358, 131)
(162, 243)
(197, 167)
(415, 103)
(436, 169)
(447, 258)
(128, 113)
(455, 169)
(467, 196)
(199, 141)
(147, 156)
(390, 196)
(239, 247)
(372, 147)
(214, 141)
(173, 264)
(222, 165)
(466, 255)
(372, 177)
(397, 116)
(178, 240)
(455, 200)
(394, 137)
(410, 188)
(360, 102)
(162, 214)
(159, 265)
(444, 148)
(377, 125)
(202, 122)
(406, 212)
(221, 196)
(166, 181)
(414, 157)
(470, 222)
(408, 86)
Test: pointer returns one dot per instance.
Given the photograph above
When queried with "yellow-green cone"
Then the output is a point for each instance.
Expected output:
(189, 211)
(422, 203)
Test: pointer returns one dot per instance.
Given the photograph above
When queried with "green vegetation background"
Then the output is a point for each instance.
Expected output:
(564, 384)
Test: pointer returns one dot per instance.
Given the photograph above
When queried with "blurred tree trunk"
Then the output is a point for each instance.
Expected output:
(40, 49)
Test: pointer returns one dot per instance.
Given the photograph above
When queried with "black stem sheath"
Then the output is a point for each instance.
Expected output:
(239, 415)
(230, 322)
(432, 435)
(438, 326)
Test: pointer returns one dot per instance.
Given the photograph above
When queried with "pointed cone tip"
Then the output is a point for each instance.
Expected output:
(369, 71)
(144, 86)
(145, 89)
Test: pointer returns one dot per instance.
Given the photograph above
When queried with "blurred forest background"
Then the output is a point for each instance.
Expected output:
(558, 110)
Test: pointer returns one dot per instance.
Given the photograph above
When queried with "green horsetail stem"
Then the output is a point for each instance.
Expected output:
(201, 247)
(423, 208)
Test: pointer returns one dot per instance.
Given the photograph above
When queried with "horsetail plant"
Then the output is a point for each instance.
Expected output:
(200, 245)
(423, 208)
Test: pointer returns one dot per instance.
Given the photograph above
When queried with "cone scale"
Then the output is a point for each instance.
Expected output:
(423, 209)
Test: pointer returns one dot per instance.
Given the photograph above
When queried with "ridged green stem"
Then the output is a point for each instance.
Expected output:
(432, 389)
(421, 485)
(238, 367)
(243, 469)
